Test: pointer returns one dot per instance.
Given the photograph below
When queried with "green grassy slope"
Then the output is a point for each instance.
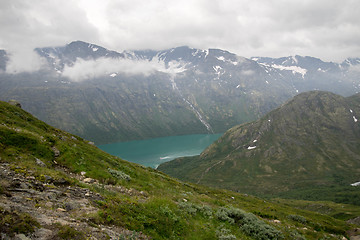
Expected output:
(143, 199)
(308, 148)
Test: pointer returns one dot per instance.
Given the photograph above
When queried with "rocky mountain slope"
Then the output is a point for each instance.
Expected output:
(55, 185)
(108, 96)
(312, 141)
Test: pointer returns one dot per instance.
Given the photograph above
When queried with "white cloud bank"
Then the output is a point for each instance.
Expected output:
(328, 29)
(24, 60)
(89, 69)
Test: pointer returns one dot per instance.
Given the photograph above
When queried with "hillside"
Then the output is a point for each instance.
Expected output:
(107, 96)
(55, 185)
(308, 148)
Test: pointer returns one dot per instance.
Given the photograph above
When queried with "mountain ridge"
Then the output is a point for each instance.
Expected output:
(311, 140)
(107, 96)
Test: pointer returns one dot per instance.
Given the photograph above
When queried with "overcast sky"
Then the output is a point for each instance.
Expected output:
(328, 29)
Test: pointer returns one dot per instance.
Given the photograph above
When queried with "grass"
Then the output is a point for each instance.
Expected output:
(308, 148)
(150, 201)
(12, 222)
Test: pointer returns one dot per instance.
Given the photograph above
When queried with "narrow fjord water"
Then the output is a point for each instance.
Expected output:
(153, 152)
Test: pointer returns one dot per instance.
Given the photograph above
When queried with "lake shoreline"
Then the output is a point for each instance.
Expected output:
(153, 152)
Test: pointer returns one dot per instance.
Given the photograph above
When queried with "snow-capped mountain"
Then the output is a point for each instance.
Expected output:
(108, 96)
(309, 73)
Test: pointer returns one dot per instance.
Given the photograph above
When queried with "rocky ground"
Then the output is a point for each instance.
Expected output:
(60, 210)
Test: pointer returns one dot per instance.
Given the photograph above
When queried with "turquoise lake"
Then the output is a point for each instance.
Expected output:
(153, 152)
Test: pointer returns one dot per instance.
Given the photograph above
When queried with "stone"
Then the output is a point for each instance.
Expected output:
(42, 233)
(69, 206)
(48, 179)
(40, 163)
(89, 180)
(61, 181)
(56, 152)
(48, 204)
(21, 237)
(14, 103)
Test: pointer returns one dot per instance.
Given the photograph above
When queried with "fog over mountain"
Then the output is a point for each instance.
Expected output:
(108, 96)
(327, 29)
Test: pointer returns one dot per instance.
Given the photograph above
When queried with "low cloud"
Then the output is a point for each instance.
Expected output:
(355, 68)
(24, 60)
(89, 69)
(247, 72)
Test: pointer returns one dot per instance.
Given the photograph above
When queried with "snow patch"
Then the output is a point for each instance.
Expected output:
(217, 68)
(294, 59)
(355, 184)
(255, 141)
(351, 110)
(237, 86)
(221, 58)
(113, 75)
(195, 53)
(95, 49)
(206, 53)
(249, 147)
(267, 82)
(355, 119)
(294, 69)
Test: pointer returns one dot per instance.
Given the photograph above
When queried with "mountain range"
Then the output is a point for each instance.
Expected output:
(312, 142)
(106, 96)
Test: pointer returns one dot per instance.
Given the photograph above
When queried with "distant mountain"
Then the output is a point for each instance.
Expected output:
(309, 73)
(106, 96)
(311, 141)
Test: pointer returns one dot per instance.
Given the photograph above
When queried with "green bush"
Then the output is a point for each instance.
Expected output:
(119, 174)
(193, 209)
(67, 232)
(298, 218)
(14, 222)
(296, 236)
(249, 223)
(224, 234)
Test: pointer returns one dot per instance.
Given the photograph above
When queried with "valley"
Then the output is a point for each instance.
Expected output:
(55, 185)
(291, 134)
(304, 149)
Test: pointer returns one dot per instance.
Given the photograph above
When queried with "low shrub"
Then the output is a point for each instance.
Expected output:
(224, 234)
(296, 236)
(67, 232)
(298, 218)
(15, 222)
(119, 174)
(249, 223)
(194, 209)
